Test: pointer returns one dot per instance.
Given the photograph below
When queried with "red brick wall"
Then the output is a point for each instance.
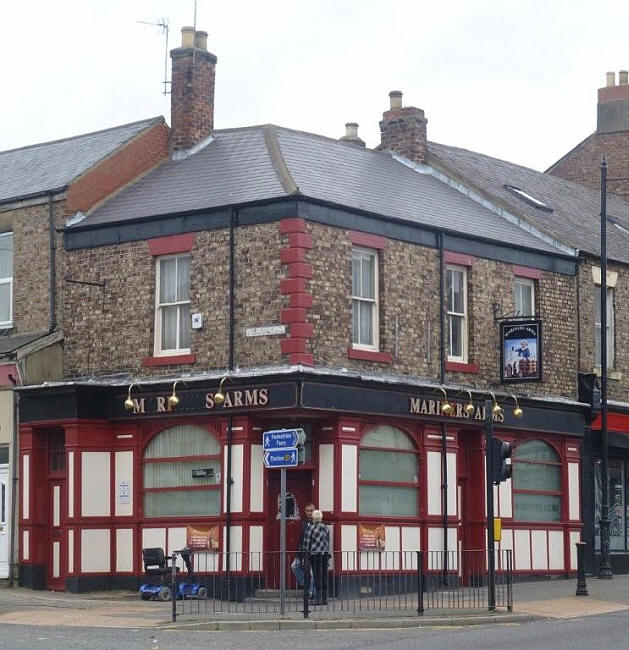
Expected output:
(120, 168)
(583, 163)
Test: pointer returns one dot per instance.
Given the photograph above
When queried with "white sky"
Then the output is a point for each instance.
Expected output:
(515, 79)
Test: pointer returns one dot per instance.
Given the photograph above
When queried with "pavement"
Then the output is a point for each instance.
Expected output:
(549, 599)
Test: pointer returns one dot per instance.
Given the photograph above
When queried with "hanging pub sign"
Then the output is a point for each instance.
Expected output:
(520, 350)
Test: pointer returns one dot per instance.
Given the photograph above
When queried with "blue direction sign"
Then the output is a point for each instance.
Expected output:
(279, 458)
(283, 439)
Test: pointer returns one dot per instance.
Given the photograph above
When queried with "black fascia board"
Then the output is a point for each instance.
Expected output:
(77, 237)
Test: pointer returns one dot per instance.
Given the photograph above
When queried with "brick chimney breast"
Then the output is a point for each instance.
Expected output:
(192, 90)
(403, 129)
(612, 111)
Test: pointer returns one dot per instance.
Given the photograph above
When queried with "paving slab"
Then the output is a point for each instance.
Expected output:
(570, 607)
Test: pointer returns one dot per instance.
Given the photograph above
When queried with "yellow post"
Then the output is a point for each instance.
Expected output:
(497, 529)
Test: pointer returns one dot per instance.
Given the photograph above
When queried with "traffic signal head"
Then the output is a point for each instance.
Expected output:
(501, 469)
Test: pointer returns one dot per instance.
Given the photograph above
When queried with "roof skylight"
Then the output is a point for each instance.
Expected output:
(525, 196)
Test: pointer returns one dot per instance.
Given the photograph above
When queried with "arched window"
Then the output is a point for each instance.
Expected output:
(182, 473)
(387, 474)
(536, 482)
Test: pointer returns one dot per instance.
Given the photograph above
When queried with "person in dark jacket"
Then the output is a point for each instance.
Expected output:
(299, 566)
(317, 545)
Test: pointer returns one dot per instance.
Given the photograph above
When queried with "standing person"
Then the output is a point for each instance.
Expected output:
(298, 565)
(317, 545)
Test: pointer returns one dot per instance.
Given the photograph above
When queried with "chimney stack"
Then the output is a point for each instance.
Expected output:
(192, 90)
(403, 129)
(351, 135)
(612, 113)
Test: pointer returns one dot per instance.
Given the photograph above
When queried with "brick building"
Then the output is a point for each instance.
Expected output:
(42, 186)
(582, 164)
(323, 285)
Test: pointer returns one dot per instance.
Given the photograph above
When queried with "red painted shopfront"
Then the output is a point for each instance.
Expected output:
(100, 483)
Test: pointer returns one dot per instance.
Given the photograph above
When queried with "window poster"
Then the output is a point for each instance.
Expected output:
(371, 537)
(521, 351)
(202, 538)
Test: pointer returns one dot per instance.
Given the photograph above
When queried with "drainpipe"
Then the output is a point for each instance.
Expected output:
(51, 227)
(14, 480)
(442, 379)
(228, 479)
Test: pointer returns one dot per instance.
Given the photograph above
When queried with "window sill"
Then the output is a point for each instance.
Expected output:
(457, 366)
(369, 355)
(172, 360)
(614, 375)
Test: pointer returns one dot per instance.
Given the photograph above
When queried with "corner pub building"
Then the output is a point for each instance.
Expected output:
(324, 286)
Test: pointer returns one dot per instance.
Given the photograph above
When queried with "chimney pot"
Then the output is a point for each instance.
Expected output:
(351, 130)
(610, 79)
(623, 77)
(200, 40)
(395, 97)
(187, 37)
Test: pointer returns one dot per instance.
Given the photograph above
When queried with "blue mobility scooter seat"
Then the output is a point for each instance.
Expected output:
(159, 574)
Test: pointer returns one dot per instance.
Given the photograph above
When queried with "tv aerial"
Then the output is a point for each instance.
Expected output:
(163, 25)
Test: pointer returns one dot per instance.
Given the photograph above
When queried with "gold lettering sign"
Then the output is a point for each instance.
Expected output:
(239, 398)
(420, 406)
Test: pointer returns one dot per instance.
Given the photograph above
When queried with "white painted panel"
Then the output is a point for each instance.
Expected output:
(176, 541)
(435, 543)
(391, 559)
(522, 549)
(505, 499)
(95, 484)
(574, 506)
(348, 547)
(124, 550)
(208, 562)
(235, 560)
(555, 550)
(237, 476)
(452, 483)
(496, 501)
(70, 484)
(453, 558)
(349, 475)
(507, 539)
(70, 550)
(575, 536)
(26, 544)
(95, 551)
(256, 501)
(326, 477)
(56, 550)
(26, 485)
(433, 464)
(256, 559)
(153, 538)
(124, 474)
(334, 555)
(411, 543)
(56, 505)
(539, 545)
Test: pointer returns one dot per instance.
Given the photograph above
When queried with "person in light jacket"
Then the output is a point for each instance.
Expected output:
(317, 546)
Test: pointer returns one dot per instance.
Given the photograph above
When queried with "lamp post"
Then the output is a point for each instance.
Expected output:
(605, 567)
(489, 446)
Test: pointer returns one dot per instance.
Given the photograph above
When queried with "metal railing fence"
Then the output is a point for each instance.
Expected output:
(355, 581)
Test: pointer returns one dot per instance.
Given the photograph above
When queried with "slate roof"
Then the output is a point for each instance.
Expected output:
(9, 343)
(267, 162)
(53, 165)
(574, 219)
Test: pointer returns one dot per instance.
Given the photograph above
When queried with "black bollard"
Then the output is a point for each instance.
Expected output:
(582, 589)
